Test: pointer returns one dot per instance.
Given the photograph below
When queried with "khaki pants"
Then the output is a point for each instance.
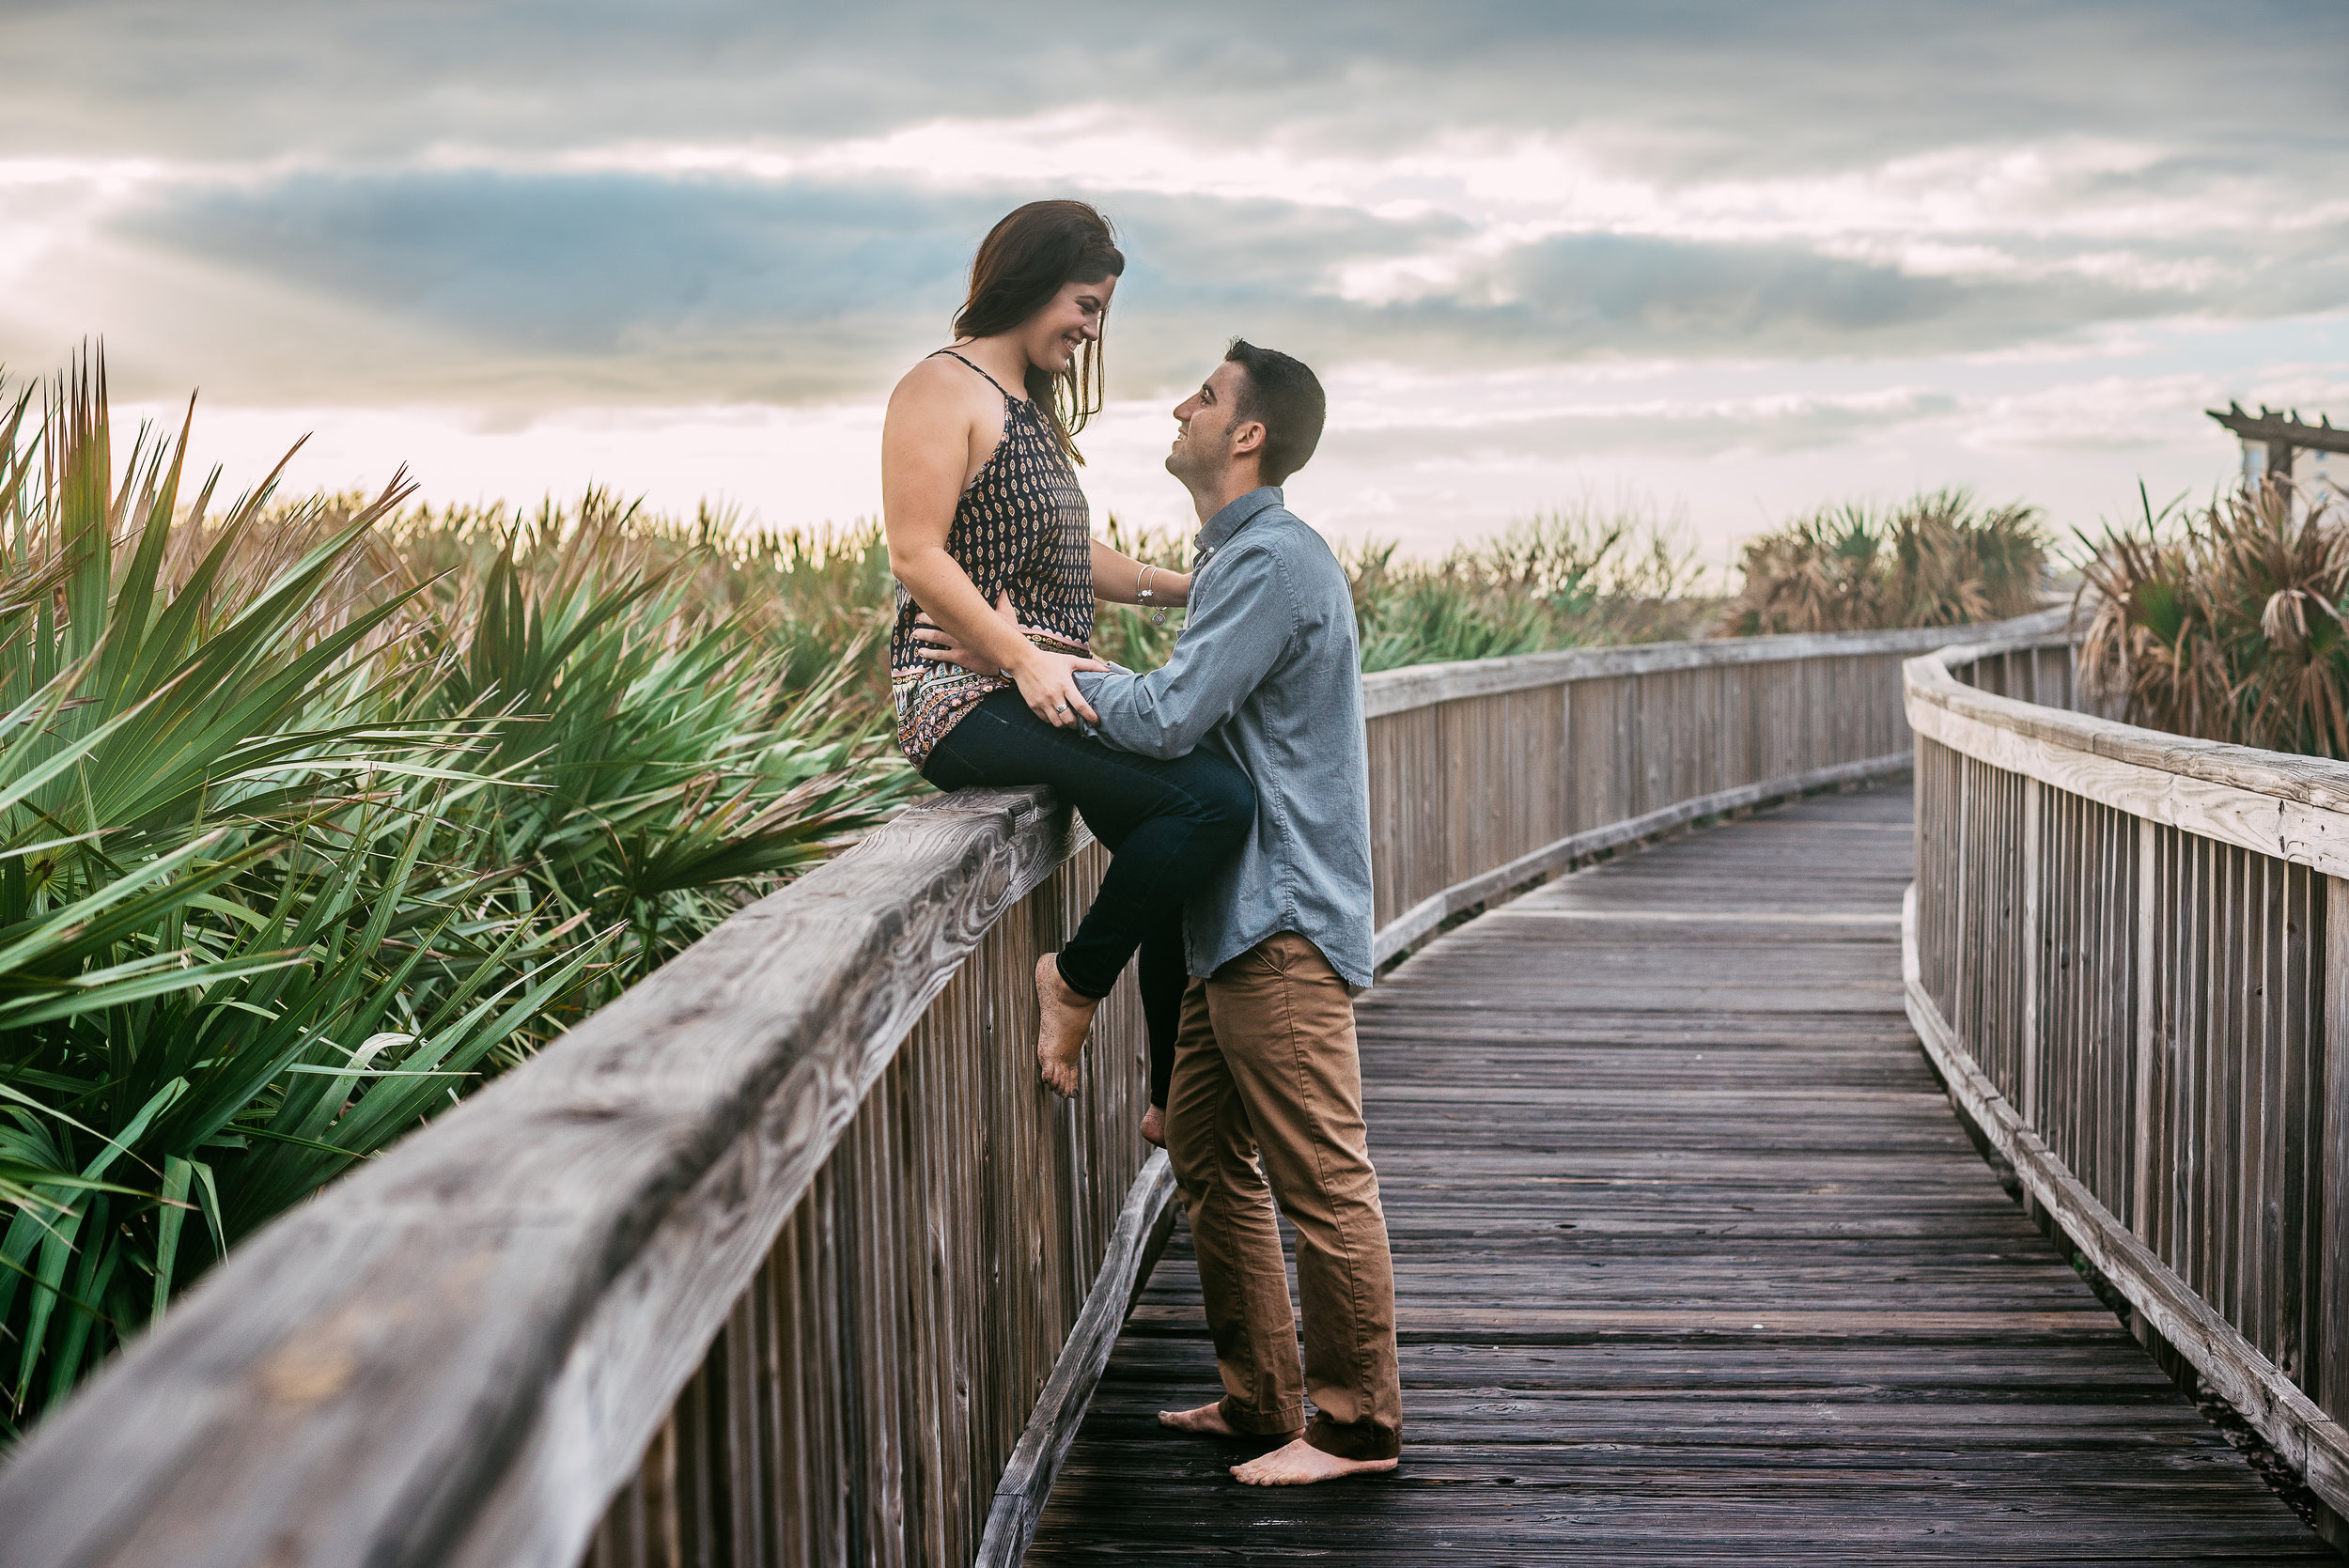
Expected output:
(1266, 1063)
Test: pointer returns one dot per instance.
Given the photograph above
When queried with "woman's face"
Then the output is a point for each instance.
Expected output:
(1054, 335)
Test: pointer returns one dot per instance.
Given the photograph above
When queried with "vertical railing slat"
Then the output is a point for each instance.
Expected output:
(2180, 1043)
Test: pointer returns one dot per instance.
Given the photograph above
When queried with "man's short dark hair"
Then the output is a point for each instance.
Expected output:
(1286, 398)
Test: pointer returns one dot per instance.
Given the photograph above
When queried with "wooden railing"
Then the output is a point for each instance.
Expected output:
(2128, 953)
(786, 1257)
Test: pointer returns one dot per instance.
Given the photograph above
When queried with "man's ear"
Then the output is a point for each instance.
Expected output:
(1248, 438)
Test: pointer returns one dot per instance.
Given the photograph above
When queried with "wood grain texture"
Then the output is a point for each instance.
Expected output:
(1026, 1480)
(2313, 782)
(2162, 1062)
(2308, 827)
(522, 1277)
(1694, 1265)
(1421, 685)
(2311, 1441)
(1398, 935)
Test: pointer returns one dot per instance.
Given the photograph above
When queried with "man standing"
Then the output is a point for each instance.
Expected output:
(1268, 671)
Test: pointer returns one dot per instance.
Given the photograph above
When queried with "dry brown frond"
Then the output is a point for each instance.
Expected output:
(1933, 561)
(2225, 624)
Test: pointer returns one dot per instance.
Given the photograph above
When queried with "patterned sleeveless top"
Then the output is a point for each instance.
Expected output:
(1022, 525)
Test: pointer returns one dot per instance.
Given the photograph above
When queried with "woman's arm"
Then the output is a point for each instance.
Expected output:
(1117, 580)
(926, 444)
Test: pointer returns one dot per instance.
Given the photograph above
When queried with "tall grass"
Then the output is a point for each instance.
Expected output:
(312, 815)
(2224, 621)
(1563, 579)
(1937, 559)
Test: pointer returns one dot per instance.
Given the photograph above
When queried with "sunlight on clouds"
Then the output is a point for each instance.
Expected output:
(1528, 187)
(1751, 259)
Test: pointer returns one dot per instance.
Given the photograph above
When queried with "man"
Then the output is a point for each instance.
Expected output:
(1268, 671)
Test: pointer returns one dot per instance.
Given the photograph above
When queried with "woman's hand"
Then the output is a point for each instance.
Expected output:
(1047, 680)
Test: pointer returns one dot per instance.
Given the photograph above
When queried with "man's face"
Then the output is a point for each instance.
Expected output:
(1207, 427)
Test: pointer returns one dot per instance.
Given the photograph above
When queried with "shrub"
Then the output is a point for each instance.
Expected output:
(2226, 623)
(1934, 560)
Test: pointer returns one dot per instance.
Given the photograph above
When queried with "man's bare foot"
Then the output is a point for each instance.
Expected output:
(1154, 1126)
(1300, 1463)
(1066, 1019)
(1206, 1421)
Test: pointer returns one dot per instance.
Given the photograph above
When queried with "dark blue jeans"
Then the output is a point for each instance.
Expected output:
(1167, 824)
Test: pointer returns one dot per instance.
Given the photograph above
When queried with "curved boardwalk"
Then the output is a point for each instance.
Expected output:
(1694, 1265)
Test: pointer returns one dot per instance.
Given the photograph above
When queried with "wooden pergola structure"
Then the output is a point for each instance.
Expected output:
(2284, 434)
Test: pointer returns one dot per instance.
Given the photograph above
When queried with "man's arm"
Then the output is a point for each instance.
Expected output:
(1226, 649)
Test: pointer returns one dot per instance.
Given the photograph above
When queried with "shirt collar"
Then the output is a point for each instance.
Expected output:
(1234, 517)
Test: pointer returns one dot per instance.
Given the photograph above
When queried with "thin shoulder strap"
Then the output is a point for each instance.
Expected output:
(989, 379)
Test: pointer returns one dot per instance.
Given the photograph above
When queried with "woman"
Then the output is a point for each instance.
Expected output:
(982, 507)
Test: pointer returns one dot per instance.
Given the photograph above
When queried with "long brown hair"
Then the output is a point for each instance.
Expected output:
(1036, 251)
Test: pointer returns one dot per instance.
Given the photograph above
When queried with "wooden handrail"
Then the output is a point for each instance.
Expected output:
(1421, 685)
(2128, 953)
(459, 1352)
(773, 1258)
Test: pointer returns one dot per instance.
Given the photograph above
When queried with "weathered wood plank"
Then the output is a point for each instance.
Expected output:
(1026, 1480)
(540, 1270)
(1422, 685)
(1680, 1280)
(2314, 782)
(2180, 1129)
(2307, 1438)
(1412, 924)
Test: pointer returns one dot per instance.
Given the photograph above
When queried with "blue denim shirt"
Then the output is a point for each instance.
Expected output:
(1268, 673)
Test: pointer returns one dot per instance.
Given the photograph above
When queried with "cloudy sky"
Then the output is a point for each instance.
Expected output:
(1728, 259)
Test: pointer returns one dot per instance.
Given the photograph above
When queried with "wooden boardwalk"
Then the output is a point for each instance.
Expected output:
(1694, 1265)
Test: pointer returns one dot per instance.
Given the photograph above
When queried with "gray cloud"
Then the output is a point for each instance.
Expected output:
(585, 264)
(616, 286)
(341, 256)
(1722, 85)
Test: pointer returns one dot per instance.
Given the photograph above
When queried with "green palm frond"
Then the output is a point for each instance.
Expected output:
(313, 815)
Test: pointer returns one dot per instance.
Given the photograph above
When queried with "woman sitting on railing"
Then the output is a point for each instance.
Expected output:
(982, 506)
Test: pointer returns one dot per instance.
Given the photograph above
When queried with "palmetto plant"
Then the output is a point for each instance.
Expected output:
(667, 769)
(1934, 560)
(2224, 623)
(1561, 579)
(295, 846)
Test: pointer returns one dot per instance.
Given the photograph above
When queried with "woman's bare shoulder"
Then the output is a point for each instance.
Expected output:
(941, 383)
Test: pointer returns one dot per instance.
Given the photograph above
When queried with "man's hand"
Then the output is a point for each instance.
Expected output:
(1047, 680)
(938, 644)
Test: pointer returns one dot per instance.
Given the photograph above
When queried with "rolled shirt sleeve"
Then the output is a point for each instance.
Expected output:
(1234, 640)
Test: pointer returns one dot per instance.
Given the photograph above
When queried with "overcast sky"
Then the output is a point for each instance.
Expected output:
(1737, 259)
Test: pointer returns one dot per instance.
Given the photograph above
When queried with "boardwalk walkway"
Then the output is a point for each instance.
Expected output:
(1694, 1265)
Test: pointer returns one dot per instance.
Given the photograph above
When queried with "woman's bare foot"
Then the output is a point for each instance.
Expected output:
(1300, 1463)
(1154, 1126)
(1066, 1017)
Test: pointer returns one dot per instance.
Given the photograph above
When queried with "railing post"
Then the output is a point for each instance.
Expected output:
(2331, 1328)
(2144, 1132)
(2034, 922)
